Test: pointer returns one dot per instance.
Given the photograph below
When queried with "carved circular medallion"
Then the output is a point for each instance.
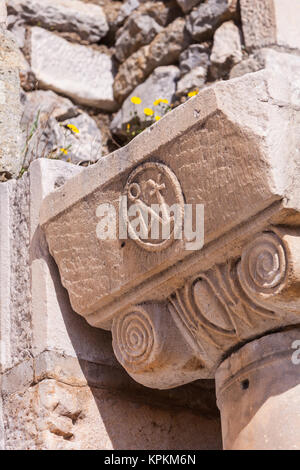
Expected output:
(155, 206)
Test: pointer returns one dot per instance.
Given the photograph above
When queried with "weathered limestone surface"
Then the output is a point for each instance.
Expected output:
(258, 392)
(10, 62)
(83, 74)
(243, 133)
(271, 22)
(88, 21)
(227, 48)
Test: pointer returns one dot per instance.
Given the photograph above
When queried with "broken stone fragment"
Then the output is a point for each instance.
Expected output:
(203, 20)
(52, 115)
(160, 85)
(72, 16)
(79, 72)
(227, 49)
(163, 50)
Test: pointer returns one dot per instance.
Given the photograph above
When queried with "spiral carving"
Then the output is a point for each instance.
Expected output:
(133, 338)
(264, 264)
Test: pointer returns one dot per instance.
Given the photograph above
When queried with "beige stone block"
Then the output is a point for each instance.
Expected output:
(3, 12)
(81, 73)
(10, 61)
(271, 22)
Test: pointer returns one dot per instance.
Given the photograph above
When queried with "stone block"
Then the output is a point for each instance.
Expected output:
(69, 16)
(10, 61)
(81, 73)
(3, 12)
(271, 22)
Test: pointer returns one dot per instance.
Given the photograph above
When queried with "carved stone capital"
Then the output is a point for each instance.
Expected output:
(176, 314)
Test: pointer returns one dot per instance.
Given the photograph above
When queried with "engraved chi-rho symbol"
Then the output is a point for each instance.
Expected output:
(155, 206)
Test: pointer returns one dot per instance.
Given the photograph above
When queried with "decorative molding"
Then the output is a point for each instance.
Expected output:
(213, 312)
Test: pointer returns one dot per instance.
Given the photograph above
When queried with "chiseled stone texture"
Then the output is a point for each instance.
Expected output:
(163, 50)
(54, 114)
(203, 20)
(15, 290)
(271, 22)
(10, 64)
(87, 20)
(3, 12)
(160, 85)
(227, 49)
(82, 73)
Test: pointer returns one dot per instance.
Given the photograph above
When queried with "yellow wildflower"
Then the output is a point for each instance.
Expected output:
(193, 93)
(128, 126)
(73, 128)
(135, 100)
(160, 100)
(148, 111)
(64, 151)
(157, 118)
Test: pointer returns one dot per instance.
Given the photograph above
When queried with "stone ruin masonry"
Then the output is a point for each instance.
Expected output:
(179, 320)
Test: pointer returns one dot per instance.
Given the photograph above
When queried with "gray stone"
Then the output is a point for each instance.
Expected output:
(137, 31)
(88, 21)
(193, 80)
(160, 85)
(163, 50)
(253, 63)
(141, 27)
(126, 9)
(202, 21)
(195, 55)
(54, 113)
(193, 63)
(79, 72)
(227, 49)
(187, 5)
